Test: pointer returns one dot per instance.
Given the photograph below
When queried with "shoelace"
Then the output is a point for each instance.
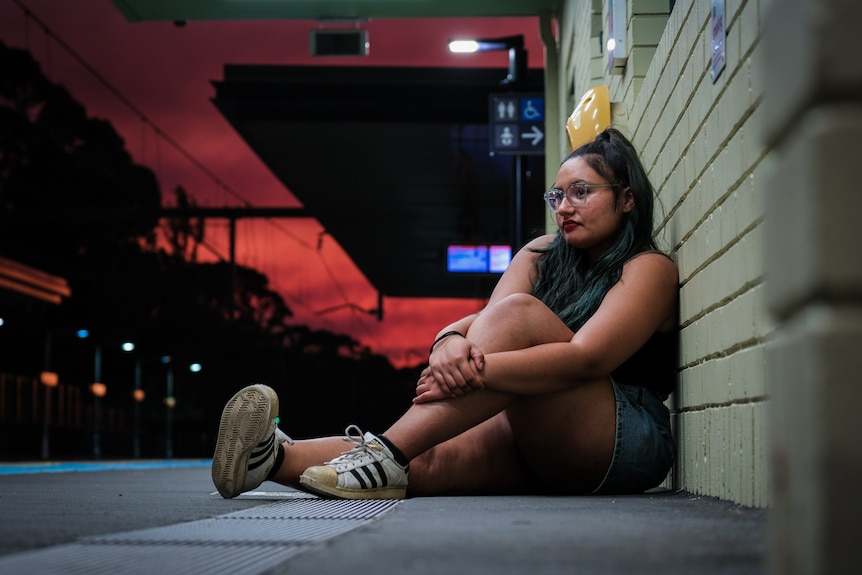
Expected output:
(354, 435)
(280, 435)
(359, 450)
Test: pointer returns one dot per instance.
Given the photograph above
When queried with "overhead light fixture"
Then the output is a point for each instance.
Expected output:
(463, 46)
(514, 44)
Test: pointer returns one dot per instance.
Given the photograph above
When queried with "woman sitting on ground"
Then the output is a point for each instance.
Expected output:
(556, 386)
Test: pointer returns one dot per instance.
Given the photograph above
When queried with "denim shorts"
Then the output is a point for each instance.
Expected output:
(644, 446)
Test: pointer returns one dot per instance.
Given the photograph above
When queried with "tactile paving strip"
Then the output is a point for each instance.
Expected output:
(249, 541)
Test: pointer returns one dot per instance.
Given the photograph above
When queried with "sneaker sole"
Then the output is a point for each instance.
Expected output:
(244, 423)
(308, 484)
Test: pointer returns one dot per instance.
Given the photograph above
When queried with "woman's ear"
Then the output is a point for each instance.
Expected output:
(628, 200)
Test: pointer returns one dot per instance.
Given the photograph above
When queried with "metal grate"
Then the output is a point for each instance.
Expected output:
(249, 541)
(317, 509)
(87, 559)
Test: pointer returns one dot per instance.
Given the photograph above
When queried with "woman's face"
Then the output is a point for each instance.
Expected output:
(592, 226)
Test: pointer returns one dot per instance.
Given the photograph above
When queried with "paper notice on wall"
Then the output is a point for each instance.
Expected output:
(718, 39)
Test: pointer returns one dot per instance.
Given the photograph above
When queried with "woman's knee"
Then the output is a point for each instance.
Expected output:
(524, 317)
(519, 304)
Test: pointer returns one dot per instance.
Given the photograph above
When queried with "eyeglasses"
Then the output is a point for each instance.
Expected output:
(578, 194)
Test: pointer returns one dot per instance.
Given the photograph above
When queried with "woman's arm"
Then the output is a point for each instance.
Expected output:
(456, 359)
(518, 278)
(642, 302)
(521, 274)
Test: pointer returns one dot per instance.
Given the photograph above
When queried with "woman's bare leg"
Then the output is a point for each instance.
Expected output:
(483, 459)
(561, 442)
(307, 452)
(488, 441)
(492, 442)
(516, 322)
(567, 438)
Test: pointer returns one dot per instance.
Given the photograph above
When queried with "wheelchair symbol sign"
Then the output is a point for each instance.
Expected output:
(532, 110)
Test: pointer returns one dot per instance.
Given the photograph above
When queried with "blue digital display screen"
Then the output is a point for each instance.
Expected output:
(499, 258)
(478, 258)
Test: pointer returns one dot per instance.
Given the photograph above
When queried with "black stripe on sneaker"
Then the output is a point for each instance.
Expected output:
(264, 447)
(370, 475)
(359, 479)
(262, 451)
(382, 473)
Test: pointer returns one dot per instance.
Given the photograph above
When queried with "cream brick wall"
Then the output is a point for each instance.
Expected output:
(701, 143)
(813, 116)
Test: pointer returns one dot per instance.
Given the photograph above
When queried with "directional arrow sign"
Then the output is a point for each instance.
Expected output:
(535, 135)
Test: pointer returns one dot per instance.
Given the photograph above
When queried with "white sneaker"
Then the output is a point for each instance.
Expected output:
(368, 471)
(248, 441)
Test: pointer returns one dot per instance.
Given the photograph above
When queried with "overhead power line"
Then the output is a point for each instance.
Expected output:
(137, 111)
(129, 104)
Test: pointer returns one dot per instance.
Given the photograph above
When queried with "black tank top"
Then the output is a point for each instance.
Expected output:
(653, 366)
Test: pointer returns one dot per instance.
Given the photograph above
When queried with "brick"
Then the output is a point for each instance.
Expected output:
(745, 463)
(814, 440)
(700, 12)
(760, 467)
(691, 338)
(811, 197)
(819, 64)
(717, 450)
(650, 6)
(749, 26)
(748, 374)
(646, 30)
(731, 53)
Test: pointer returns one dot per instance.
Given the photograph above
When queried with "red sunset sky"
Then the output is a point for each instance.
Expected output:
(166, 73)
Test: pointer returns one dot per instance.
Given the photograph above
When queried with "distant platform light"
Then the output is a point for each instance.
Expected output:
(49, 378)
(83, 333)
(195, 367)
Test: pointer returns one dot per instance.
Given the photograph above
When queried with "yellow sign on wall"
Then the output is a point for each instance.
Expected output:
(591, 116)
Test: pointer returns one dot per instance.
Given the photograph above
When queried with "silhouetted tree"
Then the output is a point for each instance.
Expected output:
(68, 187)
(185, 233)
(74, 203)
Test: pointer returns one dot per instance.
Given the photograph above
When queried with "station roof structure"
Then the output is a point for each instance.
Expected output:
(177, 10)
(393, 162)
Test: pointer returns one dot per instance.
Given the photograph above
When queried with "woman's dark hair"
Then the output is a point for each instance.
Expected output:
(564, 284)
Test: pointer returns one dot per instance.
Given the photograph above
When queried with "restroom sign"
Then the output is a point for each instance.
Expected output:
(517, 123)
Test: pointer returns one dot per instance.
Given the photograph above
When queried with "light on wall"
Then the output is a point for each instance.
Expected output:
(616, 44)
